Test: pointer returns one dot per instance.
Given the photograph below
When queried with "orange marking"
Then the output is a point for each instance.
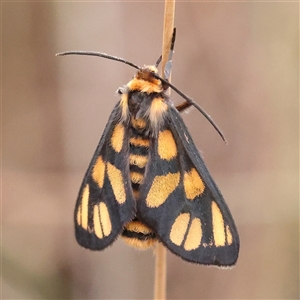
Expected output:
(194, 236)
(218, 225)
(138, 160)
(179, 228)
(97, 222)
(166, 145)
(193, 184)
(136, 177)
(138, 123)
(98, 171)
(137, 226)
(102, 223)
(139, 244)
(139, 142)
(229, 235)
(82, 215)
(124, 106)
(145, 86)
(105, 219)
(157, 111)
(116, 179)
(162, 187)
(117, 137)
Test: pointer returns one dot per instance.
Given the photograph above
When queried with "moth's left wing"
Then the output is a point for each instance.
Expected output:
(105, 202)
(181, 202)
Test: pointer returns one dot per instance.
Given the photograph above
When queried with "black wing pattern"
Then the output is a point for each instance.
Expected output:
(181, 202)
(105, 201)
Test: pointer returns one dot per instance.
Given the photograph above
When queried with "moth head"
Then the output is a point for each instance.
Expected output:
(148, 73)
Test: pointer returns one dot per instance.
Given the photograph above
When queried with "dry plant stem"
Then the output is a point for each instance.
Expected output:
(168, 32)
(161, 253)
(160, 272)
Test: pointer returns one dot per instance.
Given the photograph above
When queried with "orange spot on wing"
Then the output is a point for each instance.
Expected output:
(116, 179)
(105, 219)
(229, 235)
(118, 137)
(98, 171)
(218, 225)
(97, 222)
(194, 236)
(179, 228)
(82, 212)
(102, 223)
(193, 184)
(161, 188)
(167, 148)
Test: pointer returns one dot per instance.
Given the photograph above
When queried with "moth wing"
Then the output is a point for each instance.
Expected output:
(105, 201)
(182, 203)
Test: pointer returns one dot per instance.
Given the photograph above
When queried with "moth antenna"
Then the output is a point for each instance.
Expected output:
(165, 81)
(99, 54)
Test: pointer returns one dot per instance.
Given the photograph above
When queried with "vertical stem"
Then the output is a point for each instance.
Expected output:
(160, 272)
(161, 253)
(168, 31)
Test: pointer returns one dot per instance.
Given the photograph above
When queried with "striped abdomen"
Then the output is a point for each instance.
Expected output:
(135, 232)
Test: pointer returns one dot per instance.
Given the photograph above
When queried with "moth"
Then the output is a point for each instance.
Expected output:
(147, 181)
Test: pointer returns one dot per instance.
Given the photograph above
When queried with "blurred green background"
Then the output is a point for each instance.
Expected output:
(238, 60)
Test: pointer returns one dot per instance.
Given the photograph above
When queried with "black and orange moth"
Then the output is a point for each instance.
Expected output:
(147, 181)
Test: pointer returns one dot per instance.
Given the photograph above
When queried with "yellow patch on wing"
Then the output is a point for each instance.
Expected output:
(138, 160)
(161, 188)
(102, 223)
(105, 219)
(194, 235)
(118, 137)
(218, 225)
(193, 184)
(99, 171)
(138, 123)
(167, 148)
(97, 222)
(139, 142)
(136, 177)
(179, 228)
(83, 209)
(228, 235)
(117, 183)
(157, 111)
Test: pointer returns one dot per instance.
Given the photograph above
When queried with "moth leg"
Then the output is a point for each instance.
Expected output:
(184, 105)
